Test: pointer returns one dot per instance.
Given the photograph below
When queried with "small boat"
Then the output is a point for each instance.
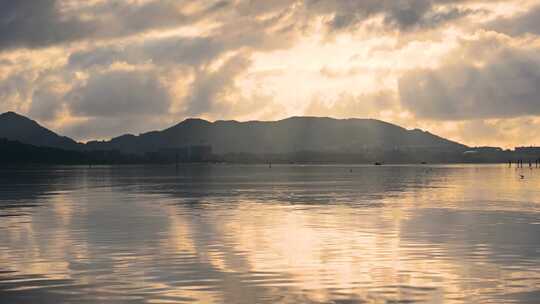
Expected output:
(378, 164)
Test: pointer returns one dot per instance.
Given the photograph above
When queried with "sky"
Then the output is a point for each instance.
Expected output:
(467, 70)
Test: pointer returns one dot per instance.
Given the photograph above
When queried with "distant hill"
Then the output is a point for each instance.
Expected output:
(285, 136)
(20, 128)
(291, 135)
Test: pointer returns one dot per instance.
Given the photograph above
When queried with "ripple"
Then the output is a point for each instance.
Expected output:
(241, 234)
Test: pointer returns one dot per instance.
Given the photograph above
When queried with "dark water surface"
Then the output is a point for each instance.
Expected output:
(286, 234)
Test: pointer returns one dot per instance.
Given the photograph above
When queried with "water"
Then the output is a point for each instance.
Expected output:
(253, 234)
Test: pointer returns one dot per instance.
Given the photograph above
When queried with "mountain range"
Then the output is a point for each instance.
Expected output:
(316, 134)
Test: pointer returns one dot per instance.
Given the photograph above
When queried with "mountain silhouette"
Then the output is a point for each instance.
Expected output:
(291, 135)
(19, 128)
(284, 136)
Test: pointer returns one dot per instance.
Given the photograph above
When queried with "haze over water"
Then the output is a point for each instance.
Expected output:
(287, 234)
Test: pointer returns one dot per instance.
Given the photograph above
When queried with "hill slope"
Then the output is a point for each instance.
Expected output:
(20, 128)
(284, 136)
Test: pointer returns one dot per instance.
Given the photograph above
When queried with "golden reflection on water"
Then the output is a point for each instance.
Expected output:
(430, 235)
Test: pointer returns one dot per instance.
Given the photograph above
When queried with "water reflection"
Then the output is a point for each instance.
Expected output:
(290, 234)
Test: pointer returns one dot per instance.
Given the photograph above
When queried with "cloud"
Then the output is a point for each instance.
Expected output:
(403, 15)
(97, 128)
(508, 133)
(34, 24)
(495, 81)
(14, 90)
(101, 56)
(246, 33)
(527, 22)
(191, 51)
(348, 106)
(120, 93)
(46, 104)
(210, 88)
(31, 24)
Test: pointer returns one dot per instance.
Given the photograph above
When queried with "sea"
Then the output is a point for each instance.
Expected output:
(224, 233)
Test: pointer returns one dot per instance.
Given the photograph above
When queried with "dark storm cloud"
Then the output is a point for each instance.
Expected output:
(32, 24)
(244, 33)
(120, 93)
(101, 56)
(36, 23)
(525, 23)
(507, 85)
(172, 50)
(403, 15)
